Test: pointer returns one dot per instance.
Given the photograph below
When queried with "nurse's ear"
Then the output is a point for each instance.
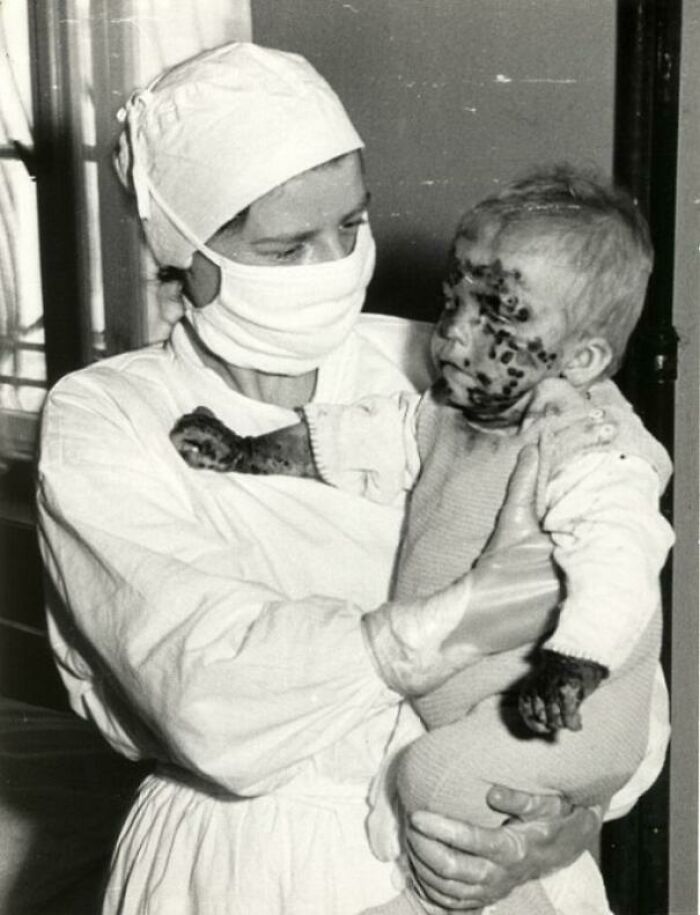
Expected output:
(586, 360)
(171, 282)
(201, 280)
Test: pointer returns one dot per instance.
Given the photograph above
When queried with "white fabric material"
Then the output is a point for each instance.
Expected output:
(657, 744)
(611, 542)
(169, 33)
(221, 130)
(601, 509)
(285, 320)
(584, 895)
(597, 508)
(200, 593)
(382, 459)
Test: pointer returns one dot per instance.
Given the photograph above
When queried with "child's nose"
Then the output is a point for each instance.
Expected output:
(456, 328)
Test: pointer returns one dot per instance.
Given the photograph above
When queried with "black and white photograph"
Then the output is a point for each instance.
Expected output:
(349, 427)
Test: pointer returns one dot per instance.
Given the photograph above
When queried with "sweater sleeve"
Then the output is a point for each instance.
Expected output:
(151, 611)
(611, 542)
(367, 448)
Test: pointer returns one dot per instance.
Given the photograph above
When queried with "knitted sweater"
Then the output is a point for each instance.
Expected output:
(461, 475)
(596, 497)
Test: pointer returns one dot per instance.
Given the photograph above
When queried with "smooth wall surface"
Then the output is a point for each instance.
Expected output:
(452, 98)
(683, 852)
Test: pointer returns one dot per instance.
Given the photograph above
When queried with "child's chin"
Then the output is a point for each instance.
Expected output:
(477, 411)
(458, 399)
(489, 414)
(478, 407)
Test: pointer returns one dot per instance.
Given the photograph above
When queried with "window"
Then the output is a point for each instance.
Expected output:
(76, 284)
(22, 361)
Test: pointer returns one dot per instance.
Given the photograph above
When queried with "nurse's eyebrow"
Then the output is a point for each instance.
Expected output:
(305, 236)
(360, 208)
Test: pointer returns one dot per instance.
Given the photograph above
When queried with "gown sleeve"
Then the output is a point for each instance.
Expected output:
(148, 613)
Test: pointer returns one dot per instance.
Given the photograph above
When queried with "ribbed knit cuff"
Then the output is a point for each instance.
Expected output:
(319, 443)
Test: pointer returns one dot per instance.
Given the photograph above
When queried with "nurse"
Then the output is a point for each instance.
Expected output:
(214, 622)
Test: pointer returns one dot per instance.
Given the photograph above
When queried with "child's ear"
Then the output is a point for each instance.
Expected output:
(586, 361)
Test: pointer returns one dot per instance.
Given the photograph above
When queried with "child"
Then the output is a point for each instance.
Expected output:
(546, 282)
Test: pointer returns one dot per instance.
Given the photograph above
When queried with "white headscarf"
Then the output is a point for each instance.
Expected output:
(219, 131)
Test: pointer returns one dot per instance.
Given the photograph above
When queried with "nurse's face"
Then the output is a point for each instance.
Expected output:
(311, 219)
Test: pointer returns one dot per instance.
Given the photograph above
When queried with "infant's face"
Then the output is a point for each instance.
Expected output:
(503, 329)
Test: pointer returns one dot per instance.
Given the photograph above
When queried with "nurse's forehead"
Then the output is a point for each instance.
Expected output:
(328, 192)
(296, 223)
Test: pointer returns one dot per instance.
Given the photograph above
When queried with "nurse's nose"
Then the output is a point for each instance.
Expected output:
(333, 245)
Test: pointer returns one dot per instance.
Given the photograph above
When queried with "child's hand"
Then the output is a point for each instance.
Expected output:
(204, 442)
(551, 697)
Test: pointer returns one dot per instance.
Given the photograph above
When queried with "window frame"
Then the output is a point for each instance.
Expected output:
(57, 164)
(61, 156)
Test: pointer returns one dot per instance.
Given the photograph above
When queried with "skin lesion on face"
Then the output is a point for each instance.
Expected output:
(494, 354)
(497, 290)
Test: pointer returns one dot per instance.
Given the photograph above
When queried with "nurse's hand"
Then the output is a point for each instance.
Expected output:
(505, 601)
(463, 867)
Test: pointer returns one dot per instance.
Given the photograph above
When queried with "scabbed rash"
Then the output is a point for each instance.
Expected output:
(488, 304)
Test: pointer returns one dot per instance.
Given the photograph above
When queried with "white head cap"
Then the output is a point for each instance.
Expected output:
(219, 131)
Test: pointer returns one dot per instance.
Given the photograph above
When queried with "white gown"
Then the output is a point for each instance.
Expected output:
(214, 624)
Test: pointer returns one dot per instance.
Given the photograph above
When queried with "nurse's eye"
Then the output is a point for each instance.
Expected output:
(353, 224)
(285, 255)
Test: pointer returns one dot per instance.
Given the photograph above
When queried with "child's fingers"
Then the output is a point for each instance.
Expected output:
(555, 716)
(570, 711)
(534, 712)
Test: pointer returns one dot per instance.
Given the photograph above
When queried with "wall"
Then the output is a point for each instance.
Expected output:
(683, 877)
(27, 671)
(452, 97)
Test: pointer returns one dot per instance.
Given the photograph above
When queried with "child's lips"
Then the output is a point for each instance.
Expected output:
(454, 374)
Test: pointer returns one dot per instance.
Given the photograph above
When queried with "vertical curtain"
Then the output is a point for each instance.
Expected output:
(173, 30)
(158, 34)
(170, 31)
(113, 46)
(20, 285)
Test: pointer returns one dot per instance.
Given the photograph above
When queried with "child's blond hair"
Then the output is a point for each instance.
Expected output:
(590, 224)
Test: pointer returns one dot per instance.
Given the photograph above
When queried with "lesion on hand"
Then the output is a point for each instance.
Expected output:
(206, 443)
(551, 697)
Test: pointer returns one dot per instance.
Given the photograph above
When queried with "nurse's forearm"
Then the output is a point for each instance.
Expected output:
(506, 601)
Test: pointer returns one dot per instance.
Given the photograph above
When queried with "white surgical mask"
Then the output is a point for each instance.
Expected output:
(284, 319)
